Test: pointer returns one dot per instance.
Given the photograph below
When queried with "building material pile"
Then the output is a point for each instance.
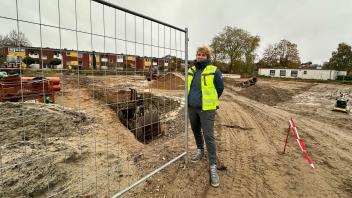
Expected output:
(16, 88)
(170, 81)
(249, 82)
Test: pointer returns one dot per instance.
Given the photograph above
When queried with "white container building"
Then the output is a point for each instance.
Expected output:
(316, 74)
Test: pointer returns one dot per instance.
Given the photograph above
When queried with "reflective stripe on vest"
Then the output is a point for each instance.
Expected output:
(209, 93)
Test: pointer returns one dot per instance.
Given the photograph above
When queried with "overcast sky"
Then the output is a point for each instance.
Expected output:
(316, 26)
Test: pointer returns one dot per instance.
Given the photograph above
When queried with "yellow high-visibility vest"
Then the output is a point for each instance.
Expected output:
(210, 99)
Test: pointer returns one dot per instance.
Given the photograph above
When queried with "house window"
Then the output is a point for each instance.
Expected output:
(104, 59)
(304, 72)
(80, 62)
(68, 53)
(294, 73)
(119, 59)
(80, 55)
(33, 53)
(272, 72)
(17, 49)
(282, 72)
(68, 63)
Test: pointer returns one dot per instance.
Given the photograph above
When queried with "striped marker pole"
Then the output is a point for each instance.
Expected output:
(299, 141)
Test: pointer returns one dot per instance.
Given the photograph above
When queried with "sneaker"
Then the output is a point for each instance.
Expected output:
(198, 156)
(214, 177)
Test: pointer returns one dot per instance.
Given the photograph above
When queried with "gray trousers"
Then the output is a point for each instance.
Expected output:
(202, 124)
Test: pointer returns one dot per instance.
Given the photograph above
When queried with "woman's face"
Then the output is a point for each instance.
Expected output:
(201, 57)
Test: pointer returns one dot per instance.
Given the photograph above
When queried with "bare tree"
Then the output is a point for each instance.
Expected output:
(14, 39)
(269, 57)
(282, 54)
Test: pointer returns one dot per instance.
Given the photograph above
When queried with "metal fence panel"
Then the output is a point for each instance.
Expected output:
(92, 98)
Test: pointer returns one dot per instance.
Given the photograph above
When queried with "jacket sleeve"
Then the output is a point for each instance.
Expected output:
(218, 82)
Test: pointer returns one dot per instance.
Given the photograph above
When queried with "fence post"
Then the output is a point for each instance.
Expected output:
(186, 95)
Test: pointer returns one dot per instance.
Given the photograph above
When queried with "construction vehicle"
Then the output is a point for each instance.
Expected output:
(153, 73)
(341, 104)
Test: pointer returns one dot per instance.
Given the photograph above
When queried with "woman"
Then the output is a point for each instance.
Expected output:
(205, 86)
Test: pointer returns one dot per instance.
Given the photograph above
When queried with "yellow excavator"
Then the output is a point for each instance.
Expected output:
(341, 104)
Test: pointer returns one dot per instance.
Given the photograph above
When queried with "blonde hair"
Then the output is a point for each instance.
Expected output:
(205, 50)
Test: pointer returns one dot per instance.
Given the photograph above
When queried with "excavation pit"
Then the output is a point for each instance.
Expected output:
(141, 113)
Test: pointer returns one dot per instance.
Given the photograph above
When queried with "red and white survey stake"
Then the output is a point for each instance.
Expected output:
(293, 128)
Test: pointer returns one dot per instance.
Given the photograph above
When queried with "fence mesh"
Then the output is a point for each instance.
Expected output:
(92, 98)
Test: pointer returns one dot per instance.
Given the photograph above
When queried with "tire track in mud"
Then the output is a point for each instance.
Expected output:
(264, 121)
(244, 177)
(331, 153)
(267, 121)
(295, 176)
(265, 142)
(260, 140)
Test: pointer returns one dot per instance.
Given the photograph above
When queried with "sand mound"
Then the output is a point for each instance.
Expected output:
(266, 94)
(171, 81)
(37, 121)
(30, 166)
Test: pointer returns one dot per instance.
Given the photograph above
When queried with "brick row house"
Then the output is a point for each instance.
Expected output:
(84, 60)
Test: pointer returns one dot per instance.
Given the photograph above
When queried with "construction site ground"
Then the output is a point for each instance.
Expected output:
(81, 137)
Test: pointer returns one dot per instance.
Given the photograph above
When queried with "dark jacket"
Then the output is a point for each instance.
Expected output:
(195, 93)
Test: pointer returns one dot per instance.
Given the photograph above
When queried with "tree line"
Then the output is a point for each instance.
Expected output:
(234, 51)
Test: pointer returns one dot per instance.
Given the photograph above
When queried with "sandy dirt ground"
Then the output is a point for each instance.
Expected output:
(78, 146)
(86, 151)
(251, 127)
